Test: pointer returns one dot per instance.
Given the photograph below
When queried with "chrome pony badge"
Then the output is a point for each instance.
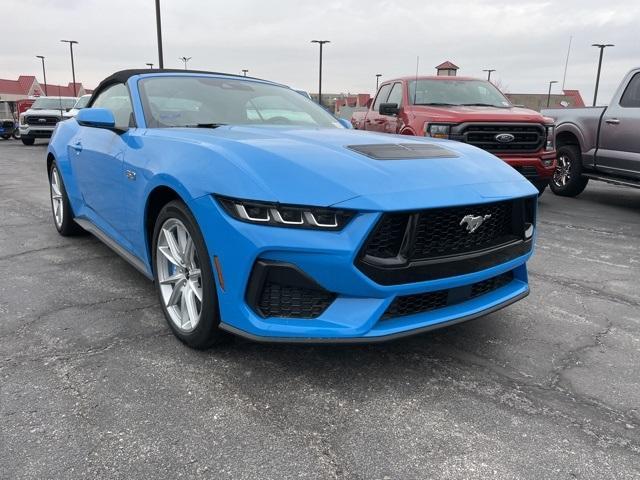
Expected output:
(473, 222)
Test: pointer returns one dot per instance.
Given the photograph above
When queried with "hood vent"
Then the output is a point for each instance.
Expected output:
(402, 151)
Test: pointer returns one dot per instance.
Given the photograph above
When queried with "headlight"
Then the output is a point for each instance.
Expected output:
(551, 142)
(436, 131)
(21, 120)
(291, 216)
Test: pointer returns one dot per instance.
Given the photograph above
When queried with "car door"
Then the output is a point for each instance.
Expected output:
(619, 142)
(392, 122)
(374, 121)
(97, 156)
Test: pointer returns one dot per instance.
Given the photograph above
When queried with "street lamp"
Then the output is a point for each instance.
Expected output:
(378, 75)
(489, 70)
(150, 65)
(73, 70)
(549, 92)
(185, 60)
(321, 43)
(159, 34)
(601, 46)
(44, 73)
(245, 71)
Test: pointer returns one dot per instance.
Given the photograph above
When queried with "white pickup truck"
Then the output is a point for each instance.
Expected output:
(41, 119)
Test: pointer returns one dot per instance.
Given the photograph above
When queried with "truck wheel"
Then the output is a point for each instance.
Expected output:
(567, 180)
(16, 134)
(28, 140)
(541, 186)
(6, 137)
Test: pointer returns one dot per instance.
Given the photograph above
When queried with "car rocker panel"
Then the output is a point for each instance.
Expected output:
(310, 236)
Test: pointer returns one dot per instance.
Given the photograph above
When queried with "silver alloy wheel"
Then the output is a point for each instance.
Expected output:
(562, 174)
(57, 202)
(179, 275)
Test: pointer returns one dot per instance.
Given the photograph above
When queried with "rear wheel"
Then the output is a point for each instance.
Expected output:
(567, 180)
(28, 140)
(184, 278)
(6, 137)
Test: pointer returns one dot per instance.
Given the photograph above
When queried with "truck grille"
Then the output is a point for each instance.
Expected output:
(526, 138)
(436, 243)
(42, 120)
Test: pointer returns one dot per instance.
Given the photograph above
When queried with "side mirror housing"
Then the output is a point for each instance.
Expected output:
(345, 123)
(96, 117)
(389, 109)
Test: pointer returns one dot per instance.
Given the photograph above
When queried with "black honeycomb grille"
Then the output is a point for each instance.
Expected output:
(387, 239)
(439, 232)
(426, 302)
(293, 302)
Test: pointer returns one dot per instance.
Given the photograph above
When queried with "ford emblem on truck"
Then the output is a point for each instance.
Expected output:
(505, 138)
(473, 222)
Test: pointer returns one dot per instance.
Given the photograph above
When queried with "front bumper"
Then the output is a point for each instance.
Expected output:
(537, 168)
(35, 131)
(328, 259)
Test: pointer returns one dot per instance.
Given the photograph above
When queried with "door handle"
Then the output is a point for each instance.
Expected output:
(612, 121)
(77, 146)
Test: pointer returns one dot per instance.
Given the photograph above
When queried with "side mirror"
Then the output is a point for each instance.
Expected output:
(389, 109)
(96, 117)
(345, 123)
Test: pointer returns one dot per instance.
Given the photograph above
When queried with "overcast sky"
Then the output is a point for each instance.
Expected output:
(525, 41)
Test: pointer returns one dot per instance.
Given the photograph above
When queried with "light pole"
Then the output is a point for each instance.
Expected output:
(150, 65)
(549, 92)
(159, 34)
(601, 46)
(378, 75)
(73, 70)
(185, 60)
(321, 43)
(489, 70)
(44, 73)
(245, 71)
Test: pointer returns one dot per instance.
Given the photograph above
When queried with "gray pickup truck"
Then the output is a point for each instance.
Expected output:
(599, 143)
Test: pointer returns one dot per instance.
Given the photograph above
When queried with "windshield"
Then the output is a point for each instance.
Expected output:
(82, 102)
(456, 92)
(190, 101)
(53, 103)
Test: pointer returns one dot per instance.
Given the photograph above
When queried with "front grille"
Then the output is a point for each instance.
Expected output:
(439, 232)
(527, 171)
(42, 120)
(293, 302)
(527, 138)
(426, 302)
(387, 239)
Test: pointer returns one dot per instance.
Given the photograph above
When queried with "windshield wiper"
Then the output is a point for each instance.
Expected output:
(206, 125)
(482, 105)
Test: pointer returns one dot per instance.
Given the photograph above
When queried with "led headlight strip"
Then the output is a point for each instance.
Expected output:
(291, 216)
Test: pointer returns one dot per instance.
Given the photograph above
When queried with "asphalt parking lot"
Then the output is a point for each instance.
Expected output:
(94, 385)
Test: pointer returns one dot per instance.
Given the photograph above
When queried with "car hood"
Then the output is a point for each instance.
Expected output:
(462, 114)
(43, 112)
(316, 167)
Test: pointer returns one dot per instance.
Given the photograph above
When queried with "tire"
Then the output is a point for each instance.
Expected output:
(567, 179)
(193, 320)
(16, 134)
(541, 186)
(60, 206)
(6, 137)
(28, 140)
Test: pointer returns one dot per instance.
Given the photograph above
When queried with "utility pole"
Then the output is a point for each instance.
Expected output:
(44, 73)
(73, 70)
(489, 70)
(378, 75)
(185, 60)
(549, 93)
(159, 34)
(321, 43)
(150, 65)
(566, 63)
(601, 46)
(245, 71)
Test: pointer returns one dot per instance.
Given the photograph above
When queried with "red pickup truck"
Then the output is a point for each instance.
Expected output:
(468, 110)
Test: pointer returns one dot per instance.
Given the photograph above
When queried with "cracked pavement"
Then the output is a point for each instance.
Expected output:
(93, 385)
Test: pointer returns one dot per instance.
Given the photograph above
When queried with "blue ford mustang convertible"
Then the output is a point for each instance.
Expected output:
(256, 212)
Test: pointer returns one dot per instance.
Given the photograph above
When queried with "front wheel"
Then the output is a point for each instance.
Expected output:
(567, 180)
(60, 206)
(6, 137)
(184, 278)
(28, 140)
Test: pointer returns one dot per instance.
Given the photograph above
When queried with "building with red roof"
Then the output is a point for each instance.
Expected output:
(28, 86)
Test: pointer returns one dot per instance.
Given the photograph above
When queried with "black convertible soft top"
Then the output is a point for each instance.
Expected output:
(123, 75)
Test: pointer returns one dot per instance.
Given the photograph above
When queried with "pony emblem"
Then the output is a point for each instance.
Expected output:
(473, 222)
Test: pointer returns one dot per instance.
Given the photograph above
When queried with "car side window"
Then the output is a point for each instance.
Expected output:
(117, 99)
(631, 96)
(383, 93)
(396, 94)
